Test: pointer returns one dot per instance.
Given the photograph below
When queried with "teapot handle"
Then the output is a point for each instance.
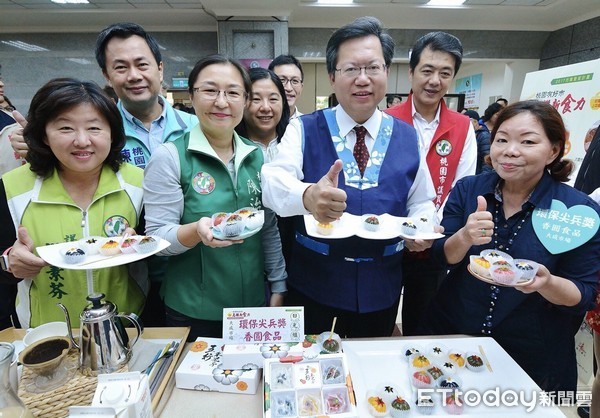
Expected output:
(135, 320)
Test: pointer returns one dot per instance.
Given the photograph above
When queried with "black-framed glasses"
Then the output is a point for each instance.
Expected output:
(231, 95)
(371, 70)
(295, 82)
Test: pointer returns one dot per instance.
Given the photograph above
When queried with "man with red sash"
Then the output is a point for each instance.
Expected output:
(448, 145)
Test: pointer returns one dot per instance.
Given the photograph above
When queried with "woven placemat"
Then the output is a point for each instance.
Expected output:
(78, 390)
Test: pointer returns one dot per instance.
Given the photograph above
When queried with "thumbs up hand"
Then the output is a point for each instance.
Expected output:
(323, 199)
(17, 141)
(480, 225)
(23, 262)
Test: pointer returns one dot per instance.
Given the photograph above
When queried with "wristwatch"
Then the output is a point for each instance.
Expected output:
(4, 260)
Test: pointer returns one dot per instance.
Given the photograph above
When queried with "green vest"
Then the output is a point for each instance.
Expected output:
(203, 280)
(45, 208)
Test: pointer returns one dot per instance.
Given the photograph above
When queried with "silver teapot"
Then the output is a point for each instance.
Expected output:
(103, 342)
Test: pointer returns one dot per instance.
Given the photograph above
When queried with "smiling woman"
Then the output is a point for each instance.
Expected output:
(211, 169)
(505, 210)
(76, 178)
(267, 114)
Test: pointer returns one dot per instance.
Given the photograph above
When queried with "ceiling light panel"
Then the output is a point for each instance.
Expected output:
(25, 46)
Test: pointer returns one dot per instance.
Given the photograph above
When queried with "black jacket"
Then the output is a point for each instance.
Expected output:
(588, 178)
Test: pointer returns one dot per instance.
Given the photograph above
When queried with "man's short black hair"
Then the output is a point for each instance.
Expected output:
(285, 60)
(124, 31)
(437, 41)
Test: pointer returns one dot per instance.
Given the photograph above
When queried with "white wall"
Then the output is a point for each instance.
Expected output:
(499, 78)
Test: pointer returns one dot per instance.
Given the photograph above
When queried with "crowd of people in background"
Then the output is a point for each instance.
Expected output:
(97, 154)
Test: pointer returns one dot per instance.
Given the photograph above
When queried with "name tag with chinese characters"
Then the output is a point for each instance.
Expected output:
(561, 229)
(263, 325)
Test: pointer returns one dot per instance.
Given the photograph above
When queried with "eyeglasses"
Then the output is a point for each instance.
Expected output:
(370, 70)
(295, 82)
(232, 96)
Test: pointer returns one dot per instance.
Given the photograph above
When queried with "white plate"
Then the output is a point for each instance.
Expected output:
(51, 254)
(246, 233)
(349, 225)
(378, 361)
(491, 281)
(423, 235)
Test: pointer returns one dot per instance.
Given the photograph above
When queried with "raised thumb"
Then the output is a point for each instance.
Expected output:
(19, 118)
(24, 238)
(334, 171)
(481, 204)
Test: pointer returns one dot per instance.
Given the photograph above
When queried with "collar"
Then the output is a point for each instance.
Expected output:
(414, 113)
(540, 197)
(52, 189)
(346, 123)
(133, 120)
(296, 113)
(272, 143)
(199, 143)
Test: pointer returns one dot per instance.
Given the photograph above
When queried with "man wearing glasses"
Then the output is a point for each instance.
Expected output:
(351, 158)
(289, 71)
(448, 149)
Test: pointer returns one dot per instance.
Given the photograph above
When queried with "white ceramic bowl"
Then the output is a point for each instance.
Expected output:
(49, 329)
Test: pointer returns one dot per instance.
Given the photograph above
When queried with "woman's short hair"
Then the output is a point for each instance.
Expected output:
(554, 129)
(58, 96)
(264, 74)
(217, 59)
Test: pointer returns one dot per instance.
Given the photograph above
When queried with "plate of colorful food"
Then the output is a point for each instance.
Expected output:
(499, 268)
(371, 226)
(241, 224)
(101, 252)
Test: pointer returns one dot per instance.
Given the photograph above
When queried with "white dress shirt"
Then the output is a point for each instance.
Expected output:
(282, 183)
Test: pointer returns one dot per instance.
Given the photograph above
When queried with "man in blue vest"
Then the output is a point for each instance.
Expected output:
(351, 158)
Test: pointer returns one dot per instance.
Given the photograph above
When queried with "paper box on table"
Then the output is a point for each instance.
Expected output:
(127, 393)
(317, 387)
(243, 355)
(201, 369)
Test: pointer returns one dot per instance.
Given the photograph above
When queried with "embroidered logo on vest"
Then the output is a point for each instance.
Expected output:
(443, 147)
(203, 183)
(115, 225)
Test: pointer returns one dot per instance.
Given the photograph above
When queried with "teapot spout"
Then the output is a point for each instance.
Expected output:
(68, 319)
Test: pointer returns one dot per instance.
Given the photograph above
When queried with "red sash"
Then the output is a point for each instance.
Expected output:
(446, 146)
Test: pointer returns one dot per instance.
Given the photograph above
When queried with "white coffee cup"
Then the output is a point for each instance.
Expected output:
(49, 329)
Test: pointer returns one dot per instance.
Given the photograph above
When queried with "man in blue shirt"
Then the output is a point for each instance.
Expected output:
(131, 62)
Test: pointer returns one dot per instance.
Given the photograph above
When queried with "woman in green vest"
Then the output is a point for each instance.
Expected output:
(208, 170)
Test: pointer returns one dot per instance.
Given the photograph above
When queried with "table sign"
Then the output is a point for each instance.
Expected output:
(257, 325)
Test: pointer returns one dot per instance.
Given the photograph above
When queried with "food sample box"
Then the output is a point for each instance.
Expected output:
(319, 387)
(246, 355)
(202, 369)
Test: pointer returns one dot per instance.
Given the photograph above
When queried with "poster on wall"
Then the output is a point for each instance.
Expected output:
(470, 86)
(574, 90)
